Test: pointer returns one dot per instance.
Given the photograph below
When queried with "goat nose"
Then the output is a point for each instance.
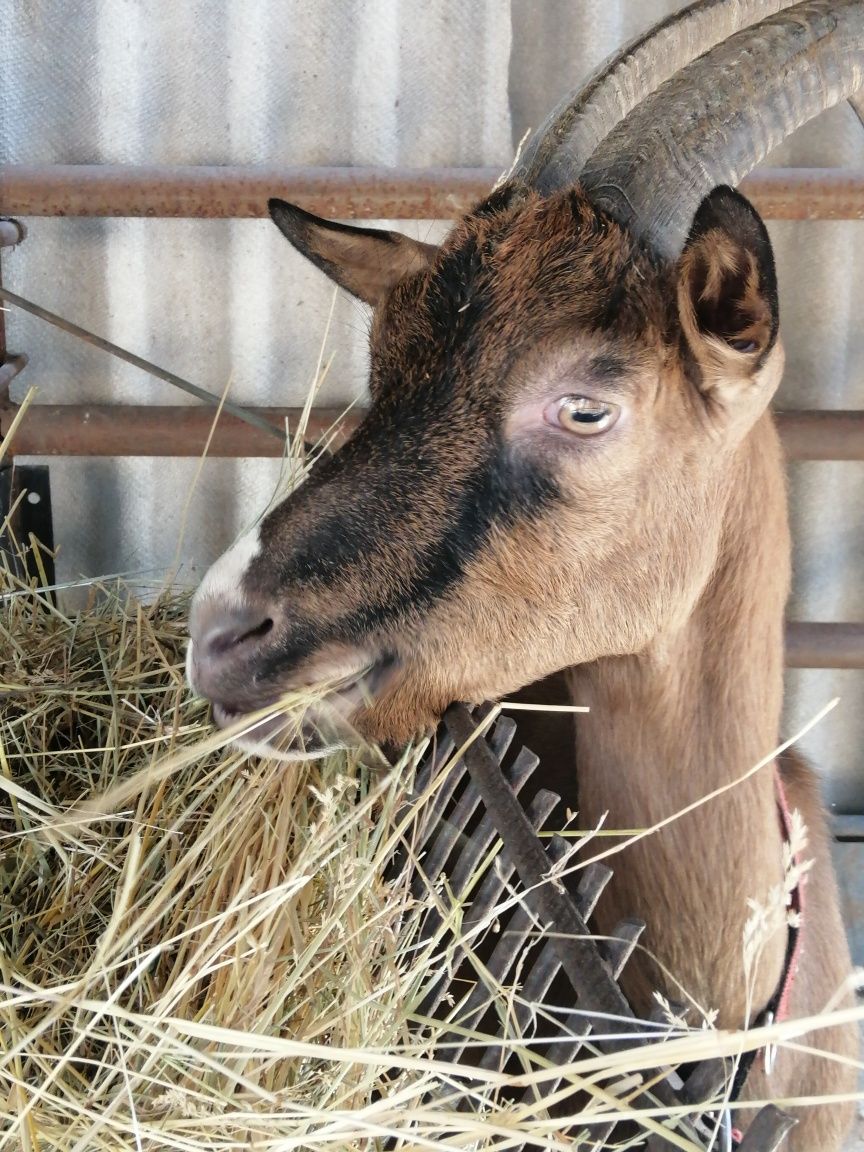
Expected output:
(220, 631)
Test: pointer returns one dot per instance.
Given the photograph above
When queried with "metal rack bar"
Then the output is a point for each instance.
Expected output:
(812, 645)
(362, 193)
(817, 434)
(138, 362)
(181, 430)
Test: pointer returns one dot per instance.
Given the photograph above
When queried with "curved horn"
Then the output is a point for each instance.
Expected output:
(556, 152)
(718, 117)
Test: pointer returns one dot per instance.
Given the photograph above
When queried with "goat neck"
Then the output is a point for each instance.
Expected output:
(688, 716)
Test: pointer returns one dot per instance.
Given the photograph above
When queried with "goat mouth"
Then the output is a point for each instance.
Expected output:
(260, 730)
(276, 734)
(324, 727)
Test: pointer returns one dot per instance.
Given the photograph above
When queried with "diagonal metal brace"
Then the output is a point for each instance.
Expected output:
(139, 362)
(580, 958)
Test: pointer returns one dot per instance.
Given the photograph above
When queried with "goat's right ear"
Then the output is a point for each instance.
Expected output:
(367, 262)
(727, 294)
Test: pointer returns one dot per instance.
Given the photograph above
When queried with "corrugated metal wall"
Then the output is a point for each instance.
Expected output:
(357, 82)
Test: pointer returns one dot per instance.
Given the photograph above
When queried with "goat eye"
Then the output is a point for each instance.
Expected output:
(582, 415)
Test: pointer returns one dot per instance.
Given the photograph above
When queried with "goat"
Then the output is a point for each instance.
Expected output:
(569, 464)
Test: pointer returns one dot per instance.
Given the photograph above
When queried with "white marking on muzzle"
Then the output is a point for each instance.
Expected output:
(224, 577)
(222, 582)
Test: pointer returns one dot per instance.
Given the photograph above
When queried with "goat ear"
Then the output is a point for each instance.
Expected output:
(727, 293)
(367, 262)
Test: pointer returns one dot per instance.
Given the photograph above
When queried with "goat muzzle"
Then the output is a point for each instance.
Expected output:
(224, 640)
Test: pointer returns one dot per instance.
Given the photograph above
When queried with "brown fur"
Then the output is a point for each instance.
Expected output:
(652, 562)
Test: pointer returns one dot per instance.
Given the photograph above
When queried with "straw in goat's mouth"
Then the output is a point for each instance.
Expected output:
(260, 730)
(322, 720)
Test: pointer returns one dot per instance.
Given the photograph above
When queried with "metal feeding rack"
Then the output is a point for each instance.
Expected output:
(545, 948)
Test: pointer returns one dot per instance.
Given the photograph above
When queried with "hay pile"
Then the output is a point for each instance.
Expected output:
(176, 973)
(202, 950)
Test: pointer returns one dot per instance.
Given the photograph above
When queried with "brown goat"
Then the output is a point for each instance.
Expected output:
(569, 463)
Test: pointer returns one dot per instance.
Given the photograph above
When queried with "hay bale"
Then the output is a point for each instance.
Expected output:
(243, 897)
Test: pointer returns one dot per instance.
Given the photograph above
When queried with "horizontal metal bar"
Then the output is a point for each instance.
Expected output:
(114, 190)
(162, 430)
(822, 435)
(810, 645)
(848, 827)
(158, 430)
(367, 193)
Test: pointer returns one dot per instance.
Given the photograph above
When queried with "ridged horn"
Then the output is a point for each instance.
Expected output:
(718, 117)
(555, 154)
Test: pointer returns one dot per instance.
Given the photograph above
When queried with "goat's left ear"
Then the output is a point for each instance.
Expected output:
(727, 294)
(367, 262)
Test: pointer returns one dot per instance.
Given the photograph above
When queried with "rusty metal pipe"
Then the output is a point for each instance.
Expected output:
(181, 430)
(812, 645)
(822, 435)
(117, 190)
(158, 430)
(806, 193)
(361, 193)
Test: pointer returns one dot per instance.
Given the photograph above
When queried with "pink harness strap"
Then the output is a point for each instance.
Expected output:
(793, 955)
(778, 1006)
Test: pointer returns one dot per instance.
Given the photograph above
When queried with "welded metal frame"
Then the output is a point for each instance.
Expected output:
(354, 193)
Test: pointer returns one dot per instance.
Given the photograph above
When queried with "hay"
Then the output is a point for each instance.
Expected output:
(203, 950)
(229, 958)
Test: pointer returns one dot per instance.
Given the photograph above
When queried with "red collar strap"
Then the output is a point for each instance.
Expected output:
(777, 1008)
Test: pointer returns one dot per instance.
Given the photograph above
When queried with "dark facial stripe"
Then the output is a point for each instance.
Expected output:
(497, 494)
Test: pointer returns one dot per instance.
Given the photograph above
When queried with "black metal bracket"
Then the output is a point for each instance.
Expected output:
(27, 523)
(546, 937)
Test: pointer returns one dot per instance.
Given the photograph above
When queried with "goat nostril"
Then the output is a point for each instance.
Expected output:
(225, 636)
(256, 633)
